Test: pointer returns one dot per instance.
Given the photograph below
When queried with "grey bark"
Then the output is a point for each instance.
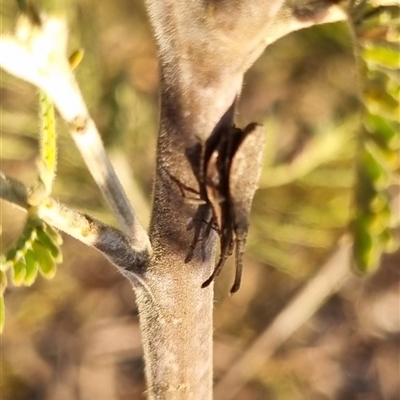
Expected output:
(205, 47)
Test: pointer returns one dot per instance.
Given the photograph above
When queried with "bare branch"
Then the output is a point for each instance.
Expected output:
(14, 192)
(110, 241)
(91, 147)
(295, 15)
(326, 282)
(37, 54)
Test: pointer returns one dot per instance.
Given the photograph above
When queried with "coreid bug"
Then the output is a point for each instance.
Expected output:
(231, 174)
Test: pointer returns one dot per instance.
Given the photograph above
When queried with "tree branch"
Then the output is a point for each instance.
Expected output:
(108, 240)
(205, 47)
(37, 54)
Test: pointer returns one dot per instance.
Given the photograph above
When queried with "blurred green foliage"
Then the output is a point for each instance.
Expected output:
(377, 35)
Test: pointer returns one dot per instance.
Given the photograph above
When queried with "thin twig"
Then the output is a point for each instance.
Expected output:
(91, 147)
(327, 281)
(37, 54)
(110, 241)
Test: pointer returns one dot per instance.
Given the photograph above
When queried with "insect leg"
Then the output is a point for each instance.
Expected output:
(226, 251)
(240, 244)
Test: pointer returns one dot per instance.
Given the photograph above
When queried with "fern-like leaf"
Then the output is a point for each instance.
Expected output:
(376, 27)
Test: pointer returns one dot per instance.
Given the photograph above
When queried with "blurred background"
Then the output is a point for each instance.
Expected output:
(77, 336)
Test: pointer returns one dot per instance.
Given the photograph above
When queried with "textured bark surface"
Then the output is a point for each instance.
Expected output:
(204, 47)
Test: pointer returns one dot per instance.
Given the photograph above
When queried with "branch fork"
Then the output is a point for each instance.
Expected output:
(36, 53)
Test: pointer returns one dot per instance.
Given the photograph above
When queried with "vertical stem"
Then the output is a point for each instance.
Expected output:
(175, 312)
(176, 324)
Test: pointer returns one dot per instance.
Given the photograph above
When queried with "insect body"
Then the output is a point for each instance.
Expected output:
(231, 173)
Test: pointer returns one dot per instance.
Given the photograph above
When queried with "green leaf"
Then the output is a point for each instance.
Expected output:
(47, 241)
(379, 203)
(374, 170)
(31, 268)
(366, 250)
(18, 273)
(382, 103)
(54, 235)
(385, 56)
(377, 29)
(36, 250)
(384, 132)
(47, 266)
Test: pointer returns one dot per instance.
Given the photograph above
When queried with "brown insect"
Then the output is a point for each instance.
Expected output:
(231, 173)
